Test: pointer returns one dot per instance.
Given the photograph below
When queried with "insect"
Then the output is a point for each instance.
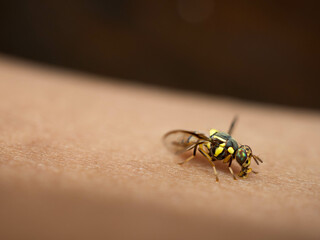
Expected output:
(218, 146)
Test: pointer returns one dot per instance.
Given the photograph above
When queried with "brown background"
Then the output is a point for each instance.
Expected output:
(260, 50)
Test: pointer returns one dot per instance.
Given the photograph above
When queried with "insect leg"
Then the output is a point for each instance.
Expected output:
(230, 169)
(192, 156)
(201, 150)
(232, 124)
(187, 160)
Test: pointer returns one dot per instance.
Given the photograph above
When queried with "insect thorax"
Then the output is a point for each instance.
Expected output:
(224, 145)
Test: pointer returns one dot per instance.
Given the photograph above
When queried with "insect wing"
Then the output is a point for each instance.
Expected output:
(179, 141)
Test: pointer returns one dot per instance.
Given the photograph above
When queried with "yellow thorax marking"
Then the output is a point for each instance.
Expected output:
(213, 131)
(219, 138)
(230, 150)
(218, 151)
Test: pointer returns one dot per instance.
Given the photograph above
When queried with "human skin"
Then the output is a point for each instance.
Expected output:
(82, 158)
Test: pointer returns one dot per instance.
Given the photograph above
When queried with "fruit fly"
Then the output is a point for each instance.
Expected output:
(218, 146)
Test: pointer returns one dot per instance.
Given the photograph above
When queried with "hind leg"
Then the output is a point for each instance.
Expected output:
(192, 156)
(187, 160)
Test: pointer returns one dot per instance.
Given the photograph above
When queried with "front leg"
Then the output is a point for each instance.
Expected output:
(230, 169)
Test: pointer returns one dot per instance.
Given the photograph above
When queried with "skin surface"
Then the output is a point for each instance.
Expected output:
(82, 158)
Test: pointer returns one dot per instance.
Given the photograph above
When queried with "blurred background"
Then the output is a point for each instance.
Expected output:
(266, 51)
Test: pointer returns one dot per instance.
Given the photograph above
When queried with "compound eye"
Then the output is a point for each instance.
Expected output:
(241, 156)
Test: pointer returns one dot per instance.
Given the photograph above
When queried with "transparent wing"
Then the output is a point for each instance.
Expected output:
(179, 141)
